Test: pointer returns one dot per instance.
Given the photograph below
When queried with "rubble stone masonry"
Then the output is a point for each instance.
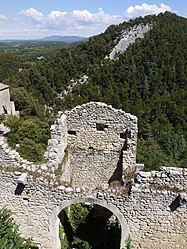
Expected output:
(90, 147)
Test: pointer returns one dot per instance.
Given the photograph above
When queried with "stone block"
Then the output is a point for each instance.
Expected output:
(183, 197)
(23, 178)
(44, 167)
(144, 174)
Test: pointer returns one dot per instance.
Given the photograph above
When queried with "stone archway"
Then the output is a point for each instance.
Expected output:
(54, 220)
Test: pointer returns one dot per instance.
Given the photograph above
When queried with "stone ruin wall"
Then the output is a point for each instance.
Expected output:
(98, 141)
(6, 106)
(154, 210)
(31, 208)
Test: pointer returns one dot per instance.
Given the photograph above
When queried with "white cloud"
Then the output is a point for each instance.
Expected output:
(146, 9)
(78, 22)
(58, 19)
(3, 18)
(98, 17)
(84, 17)
(32, 14)
(56, 16)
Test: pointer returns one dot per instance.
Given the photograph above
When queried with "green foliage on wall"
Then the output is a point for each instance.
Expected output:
(2, 118)
(9, 233)
(29, 135)
(63, 238)
(82, 244)
(89, 226)
(129, 243)
(77, 214)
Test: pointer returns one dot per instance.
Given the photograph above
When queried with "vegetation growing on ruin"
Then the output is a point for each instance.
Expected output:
(129, 243)
(148, 80)
(29, 136)
(9, 233)
(86, 227)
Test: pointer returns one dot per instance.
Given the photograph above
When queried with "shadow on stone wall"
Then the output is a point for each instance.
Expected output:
(19, 189)
(116, 178)
(66, 224)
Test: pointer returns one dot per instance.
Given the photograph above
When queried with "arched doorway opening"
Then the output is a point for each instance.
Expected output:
(84, 225)
(104, 212)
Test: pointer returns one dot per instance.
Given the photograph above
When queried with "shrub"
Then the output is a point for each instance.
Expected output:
(2, 118)
(31, 150)
(81, 244)
(9, 234)
(78, 214)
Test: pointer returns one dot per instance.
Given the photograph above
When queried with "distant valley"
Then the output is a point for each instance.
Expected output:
(67, 39)
(53, 38)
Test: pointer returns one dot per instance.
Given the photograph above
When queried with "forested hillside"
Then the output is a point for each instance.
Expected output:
(148, 80)
(22, 54)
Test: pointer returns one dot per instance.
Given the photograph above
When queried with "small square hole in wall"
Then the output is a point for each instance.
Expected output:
(123, 135)
(72, 133)
(101, 127)
(126, 134)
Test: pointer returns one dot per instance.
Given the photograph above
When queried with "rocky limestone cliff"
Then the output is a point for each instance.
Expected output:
(128, 37)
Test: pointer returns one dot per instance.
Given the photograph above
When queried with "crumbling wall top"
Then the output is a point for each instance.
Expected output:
(94, 113)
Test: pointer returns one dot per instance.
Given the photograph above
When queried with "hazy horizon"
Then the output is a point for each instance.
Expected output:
(20, 19)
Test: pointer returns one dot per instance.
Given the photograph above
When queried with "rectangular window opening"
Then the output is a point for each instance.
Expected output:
(101, 127)
(126, 134)
(123, 135)
(74, 133)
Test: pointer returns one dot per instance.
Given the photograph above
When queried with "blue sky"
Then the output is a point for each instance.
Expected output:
(27, 19)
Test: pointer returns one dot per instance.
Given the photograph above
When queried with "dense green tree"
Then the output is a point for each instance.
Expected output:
(150, 153)
(29, 135)
(148, 79)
